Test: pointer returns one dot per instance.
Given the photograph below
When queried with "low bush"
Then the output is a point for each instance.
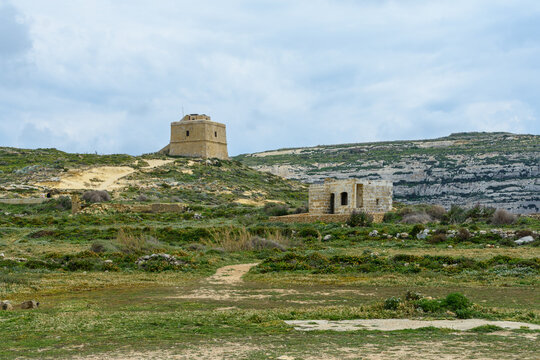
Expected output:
(391, 217)
(416, 218)
(436, 212)
(136, 244)
(463, 234)
(429, 305)
(96, 196)
(456, 215)
(392, 303)
(503, 217)
(418, 228)
(437, 239)
(360, 218)
(456, 301)
(273, 209)
(486, 329)
(309, 233)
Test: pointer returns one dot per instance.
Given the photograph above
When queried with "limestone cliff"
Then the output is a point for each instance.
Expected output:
(496, 169)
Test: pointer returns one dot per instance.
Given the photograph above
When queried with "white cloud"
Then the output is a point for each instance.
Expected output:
(111, 76)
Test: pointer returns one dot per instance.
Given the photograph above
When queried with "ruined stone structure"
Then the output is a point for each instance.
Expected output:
(346, 196)
(197, 136)
(336, 200)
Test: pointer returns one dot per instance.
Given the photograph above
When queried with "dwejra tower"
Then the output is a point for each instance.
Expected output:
(197, 136)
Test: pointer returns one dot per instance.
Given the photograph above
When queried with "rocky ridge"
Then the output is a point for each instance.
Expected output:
(495, 169)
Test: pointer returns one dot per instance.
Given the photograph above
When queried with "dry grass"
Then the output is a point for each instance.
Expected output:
(503, 217)
(231, 240)
(131, 244)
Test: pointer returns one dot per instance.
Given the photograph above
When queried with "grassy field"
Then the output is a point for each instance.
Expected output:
(103, 296)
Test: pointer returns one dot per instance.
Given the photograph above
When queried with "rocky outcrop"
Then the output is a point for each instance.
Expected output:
(496, 169)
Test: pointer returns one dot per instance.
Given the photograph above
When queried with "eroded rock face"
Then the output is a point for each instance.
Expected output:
(496, 169)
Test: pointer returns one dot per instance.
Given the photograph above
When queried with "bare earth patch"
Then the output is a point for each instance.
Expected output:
(230, 275)
(99, 178)
(401, 324)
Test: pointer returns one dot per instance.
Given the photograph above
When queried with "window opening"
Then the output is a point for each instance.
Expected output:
(344, 198)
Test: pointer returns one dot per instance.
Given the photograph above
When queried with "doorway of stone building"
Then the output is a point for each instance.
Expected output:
(332, 203)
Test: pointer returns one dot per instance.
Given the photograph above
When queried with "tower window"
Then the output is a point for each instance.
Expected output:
(215, 133)
(187, 132)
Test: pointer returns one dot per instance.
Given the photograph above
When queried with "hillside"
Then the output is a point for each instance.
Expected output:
(496, 169)
(149, 178)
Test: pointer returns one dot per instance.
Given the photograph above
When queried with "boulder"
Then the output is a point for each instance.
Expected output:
(327, 237)
(30, 304)
(524, 240)
(6, 305)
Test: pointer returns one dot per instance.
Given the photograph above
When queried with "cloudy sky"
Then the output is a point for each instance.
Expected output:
(110, 75)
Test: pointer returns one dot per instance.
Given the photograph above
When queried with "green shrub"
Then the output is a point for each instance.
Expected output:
(391, 217)
(360, 218)
(437, 239)
(309, 233)
(457, 301)
(464, 314)
(392, 303)
(412, 296)
(418, 228)
(456, 215)
(273, 209)
(429, 305)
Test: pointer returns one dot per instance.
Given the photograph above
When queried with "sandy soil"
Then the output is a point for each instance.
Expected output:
(255, 202)
(401, 324)
(99, 178)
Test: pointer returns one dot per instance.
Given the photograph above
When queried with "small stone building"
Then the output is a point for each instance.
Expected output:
(197, 136)
(346, 196)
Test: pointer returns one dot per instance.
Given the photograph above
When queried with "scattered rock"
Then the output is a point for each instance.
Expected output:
(169, 258)
(6, 305)
(524, 240)
(423, 234)
(374, 233)
(30, 304)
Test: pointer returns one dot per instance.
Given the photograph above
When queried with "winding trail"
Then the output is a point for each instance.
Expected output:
(402, 324)
(230, 275)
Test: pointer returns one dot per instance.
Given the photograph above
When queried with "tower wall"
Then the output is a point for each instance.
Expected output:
(197, 136)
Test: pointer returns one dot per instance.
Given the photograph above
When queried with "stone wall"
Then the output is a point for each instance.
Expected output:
(325, 218)
(23, 201)
(377, 197)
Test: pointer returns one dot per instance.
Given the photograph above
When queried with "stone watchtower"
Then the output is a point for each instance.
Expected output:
(197, 136)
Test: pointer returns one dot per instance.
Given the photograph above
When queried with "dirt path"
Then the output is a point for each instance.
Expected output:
(401, 324)
(230, 275)
(98, 178)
